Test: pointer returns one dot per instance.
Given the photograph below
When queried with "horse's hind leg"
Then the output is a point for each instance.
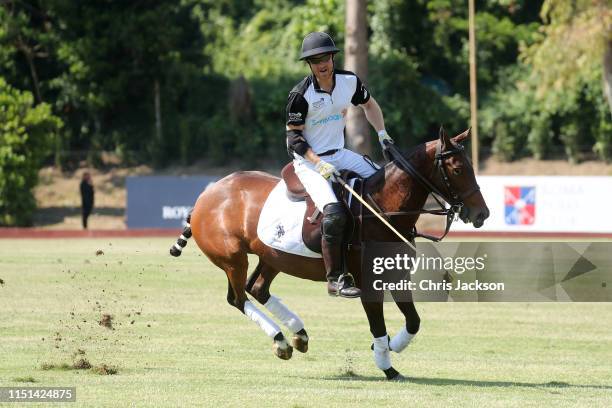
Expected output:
(235, 268)
(401, 340)
(258, 286)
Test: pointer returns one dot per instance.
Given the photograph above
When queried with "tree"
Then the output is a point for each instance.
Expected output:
(25, 39)
(573, 54)
(26, 135)
(575, 42)
(356, 60)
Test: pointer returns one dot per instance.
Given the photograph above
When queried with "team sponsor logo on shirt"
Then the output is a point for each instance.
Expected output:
(318, 104)
(295, 116)
(330, 118)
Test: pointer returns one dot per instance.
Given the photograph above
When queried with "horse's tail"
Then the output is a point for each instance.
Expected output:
(181, 242)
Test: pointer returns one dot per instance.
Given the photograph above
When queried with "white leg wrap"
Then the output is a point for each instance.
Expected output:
(401, 340)
(382, 357)
(266, 324)
(282, 313)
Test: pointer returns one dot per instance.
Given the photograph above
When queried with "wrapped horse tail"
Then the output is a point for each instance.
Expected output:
(181, 242)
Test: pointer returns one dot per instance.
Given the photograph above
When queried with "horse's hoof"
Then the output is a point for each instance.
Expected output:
(393, 375)
(398, 378)
(300, 342)
(282, 349)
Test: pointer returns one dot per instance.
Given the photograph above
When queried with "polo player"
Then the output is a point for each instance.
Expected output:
(316, 117)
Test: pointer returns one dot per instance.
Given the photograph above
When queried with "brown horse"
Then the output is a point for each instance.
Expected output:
(224, 225)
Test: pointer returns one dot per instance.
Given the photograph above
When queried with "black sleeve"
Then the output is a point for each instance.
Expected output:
(361, 95)
(297, 109)
(296, 143)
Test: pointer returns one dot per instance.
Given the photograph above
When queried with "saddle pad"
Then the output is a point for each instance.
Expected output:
(280, 223)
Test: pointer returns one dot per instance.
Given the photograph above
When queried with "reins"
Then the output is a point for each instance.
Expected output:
(454, 200)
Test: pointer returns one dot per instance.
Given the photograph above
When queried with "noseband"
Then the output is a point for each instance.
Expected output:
(455, 200)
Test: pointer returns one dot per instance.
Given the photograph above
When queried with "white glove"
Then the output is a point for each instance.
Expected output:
(382, 136)
(326, 170)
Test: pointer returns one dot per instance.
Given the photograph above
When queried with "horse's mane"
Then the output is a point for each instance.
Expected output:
(416, 150)
(376, 179)
(420, 148)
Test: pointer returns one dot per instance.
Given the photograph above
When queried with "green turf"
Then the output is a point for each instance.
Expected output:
(187, 346)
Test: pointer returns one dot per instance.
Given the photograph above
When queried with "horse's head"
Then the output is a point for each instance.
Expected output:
(457, 178)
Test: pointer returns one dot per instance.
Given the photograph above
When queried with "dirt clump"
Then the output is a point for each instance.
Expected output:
(81, 364)
(106, 321)
(77, 364)
(104, 369)
(99, 252)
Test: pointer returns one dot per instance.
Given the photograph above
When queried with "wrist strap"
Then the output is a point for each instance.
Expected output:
(382, 133)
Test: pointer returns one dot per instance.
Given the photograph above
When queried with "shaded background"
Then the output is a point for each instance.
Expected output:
(164, 83)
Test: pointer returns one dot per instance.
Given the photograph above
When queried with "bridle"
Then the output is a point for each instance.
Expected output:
(451, 197)
(454, 200)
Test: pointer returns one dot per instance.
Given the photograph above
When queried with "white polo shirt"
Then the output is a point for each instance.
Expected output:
(323, 114)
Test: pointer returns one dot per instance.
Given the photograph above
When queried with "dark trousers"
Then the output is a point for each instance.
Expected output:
(86, 211)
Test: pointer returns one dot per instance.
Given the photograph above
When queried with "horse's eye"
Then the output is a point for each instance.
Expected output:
(457, 171)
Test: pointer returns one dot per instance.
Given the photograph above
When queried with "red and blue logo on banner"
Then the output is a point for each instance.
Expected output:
(520, 205)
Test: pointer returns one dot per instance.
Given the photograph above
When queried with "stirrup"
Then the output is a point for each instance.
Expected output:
(341, 278)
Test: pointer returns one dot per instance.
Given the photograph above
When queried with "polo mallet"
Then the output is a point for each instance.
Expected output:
(369, 207)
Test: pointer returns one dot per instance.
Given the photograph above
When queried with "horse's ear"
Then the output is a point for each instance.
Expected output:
(463, 136)
(445, 141)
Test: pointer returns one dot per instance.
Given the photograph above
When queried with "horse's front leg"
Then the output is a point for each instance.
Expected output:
(401, 340)
(382, 356)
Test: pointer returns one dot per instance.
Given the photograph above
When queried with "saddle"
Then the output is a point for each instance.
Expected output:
(311, 227)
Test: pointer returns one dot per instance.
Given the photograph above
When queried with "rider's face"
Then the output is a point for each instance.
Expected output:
(322, 66)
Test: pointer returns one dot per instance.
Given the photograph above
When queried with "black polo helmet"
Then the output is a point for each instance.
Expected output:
(317, 43)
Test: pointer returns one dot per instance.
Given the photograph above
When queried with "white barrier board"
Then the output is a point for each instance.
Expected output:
(545, 204)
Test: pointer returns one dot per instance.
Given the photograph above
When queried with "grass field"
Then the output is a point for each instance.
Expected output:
(176, 342)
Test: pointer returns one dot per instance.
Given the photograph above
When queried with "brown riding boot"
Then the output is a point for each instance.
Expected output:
(338, 283)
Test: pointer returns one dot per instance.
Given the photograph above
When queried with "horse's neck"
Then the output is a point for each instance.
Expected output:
(400, 191)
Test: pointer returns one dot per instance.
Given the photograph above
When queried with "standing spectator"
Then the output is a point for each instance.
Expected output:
(87, 197)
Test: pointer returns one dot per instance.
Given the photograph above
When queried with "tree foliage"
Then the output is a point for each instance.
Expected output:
(221, 71)
(554, 95)
(571, 45)
(26, 137)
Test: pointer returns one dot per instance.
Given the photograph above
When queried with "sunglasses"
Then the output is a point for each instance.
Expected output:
(318, 60)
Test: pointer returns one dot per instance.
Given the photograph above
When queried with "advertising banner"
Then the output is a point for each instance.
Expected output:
(162, 201)
(545, 204)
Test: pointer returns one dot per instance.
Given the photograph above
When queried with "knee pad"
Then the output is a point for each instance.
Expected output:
(333, 223)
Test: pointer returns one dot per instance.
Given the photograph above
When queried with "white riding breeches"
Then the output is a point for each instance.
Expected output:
(320, 190)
